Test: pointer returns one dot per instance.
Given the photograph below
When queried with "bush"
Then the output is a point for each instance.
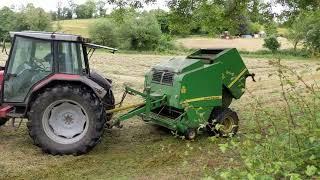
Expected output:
(282, 142)
(165, 44)
(104, 32)
(255, 28)
(272, 43)
(284, 53)
(141, 33)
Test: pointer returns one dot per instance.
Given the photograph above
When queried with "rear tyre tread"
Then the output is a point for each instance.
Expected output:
(85, 144)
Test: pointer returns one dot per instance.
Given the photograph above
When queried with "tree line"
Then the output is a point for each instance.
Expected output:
(28, 18)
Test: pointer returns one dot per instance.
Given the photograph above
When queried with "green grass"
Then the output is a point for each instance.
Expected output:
(288, 54)
(140, 151)
(75, 26)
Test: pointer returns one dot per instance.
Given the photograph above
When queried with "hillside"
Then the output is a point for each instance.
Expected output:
(75, 26)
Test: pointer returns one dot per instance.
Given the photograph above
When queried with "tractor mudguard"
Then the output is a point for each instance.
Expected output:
(103, 82)
(98, 90)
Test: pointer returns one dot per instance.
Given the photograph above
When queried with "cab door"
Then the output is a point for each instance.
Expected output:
(30, 61)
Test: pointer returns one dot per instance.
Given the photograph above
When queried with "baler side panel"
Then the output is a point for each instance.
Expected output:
(234, 72)
(202, 88)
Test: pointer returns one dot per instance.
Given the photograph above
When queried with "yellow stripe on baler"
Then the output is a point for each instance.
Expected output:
(237, 78)
(202, 99)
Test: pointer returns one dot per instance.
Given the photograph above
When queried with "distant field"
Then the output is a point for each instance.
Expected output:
(81, 27)
(240, 44)
(75, 26)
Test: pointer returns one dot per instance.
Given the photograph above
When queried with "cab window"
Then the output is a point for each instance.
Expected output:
(30, 62)
(70, 58)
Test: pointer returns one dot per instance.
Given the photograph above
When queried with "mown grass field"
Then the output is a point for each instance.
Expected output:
(139, 150)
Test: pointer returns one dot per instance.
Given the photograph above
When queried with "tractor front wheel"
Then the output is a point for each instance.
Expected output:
(66, 120)
(223, 122)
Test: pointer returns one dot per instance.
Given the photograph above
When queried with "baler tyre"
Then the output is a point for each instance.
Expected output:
(3, 121)
(213, 121)
(228, 120)
(66, 120)
(191, 134)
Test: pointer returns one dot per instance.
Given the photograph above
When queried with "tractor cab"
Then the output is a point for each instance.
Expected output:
(35, 56)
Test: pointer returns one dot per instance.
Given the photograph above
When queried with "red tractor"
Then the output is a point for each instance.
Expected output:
(47, 80)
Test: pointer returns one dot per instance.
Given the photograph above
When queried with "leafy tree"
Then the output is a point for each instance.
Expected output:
(299, 5)
(81, 12)
(142, 33)
(101, 8)
(123, 7)
(7, 21)
(104, 32)
(313, 38)
(121, 14)
(255, 11)
(181, 16)
(305, 28)
(312, 35)
(86, 10)
(271, 28)
(66, 13)
(298, 29)
(237, 16)
(163, 19)
(31, 18)
(54, 15)
(260, 12)
(255, 28)
(210, 17)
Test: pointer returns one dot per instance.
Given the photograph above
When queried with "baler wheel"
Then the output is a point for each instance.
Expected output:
(223, 122)
(191, 134)
(66, 120)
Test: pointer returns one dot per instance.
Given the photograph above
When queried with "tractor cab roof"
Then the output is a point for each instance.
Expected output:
(50, 36)
(53, 36)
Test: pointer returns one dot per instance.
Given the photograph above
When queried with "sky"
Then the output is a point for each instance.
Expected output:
(51, 5)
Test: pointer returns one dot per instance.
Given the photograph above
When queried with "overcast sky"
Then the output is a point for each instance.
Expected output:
(51, 5)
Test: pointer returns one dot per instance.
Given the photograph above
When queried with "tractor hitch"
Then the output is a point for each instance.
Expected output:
(144, 108)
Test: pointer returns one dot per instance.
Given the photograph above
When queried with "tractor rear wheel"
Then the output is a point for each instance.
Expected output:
(223, 122)
(66, 120)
